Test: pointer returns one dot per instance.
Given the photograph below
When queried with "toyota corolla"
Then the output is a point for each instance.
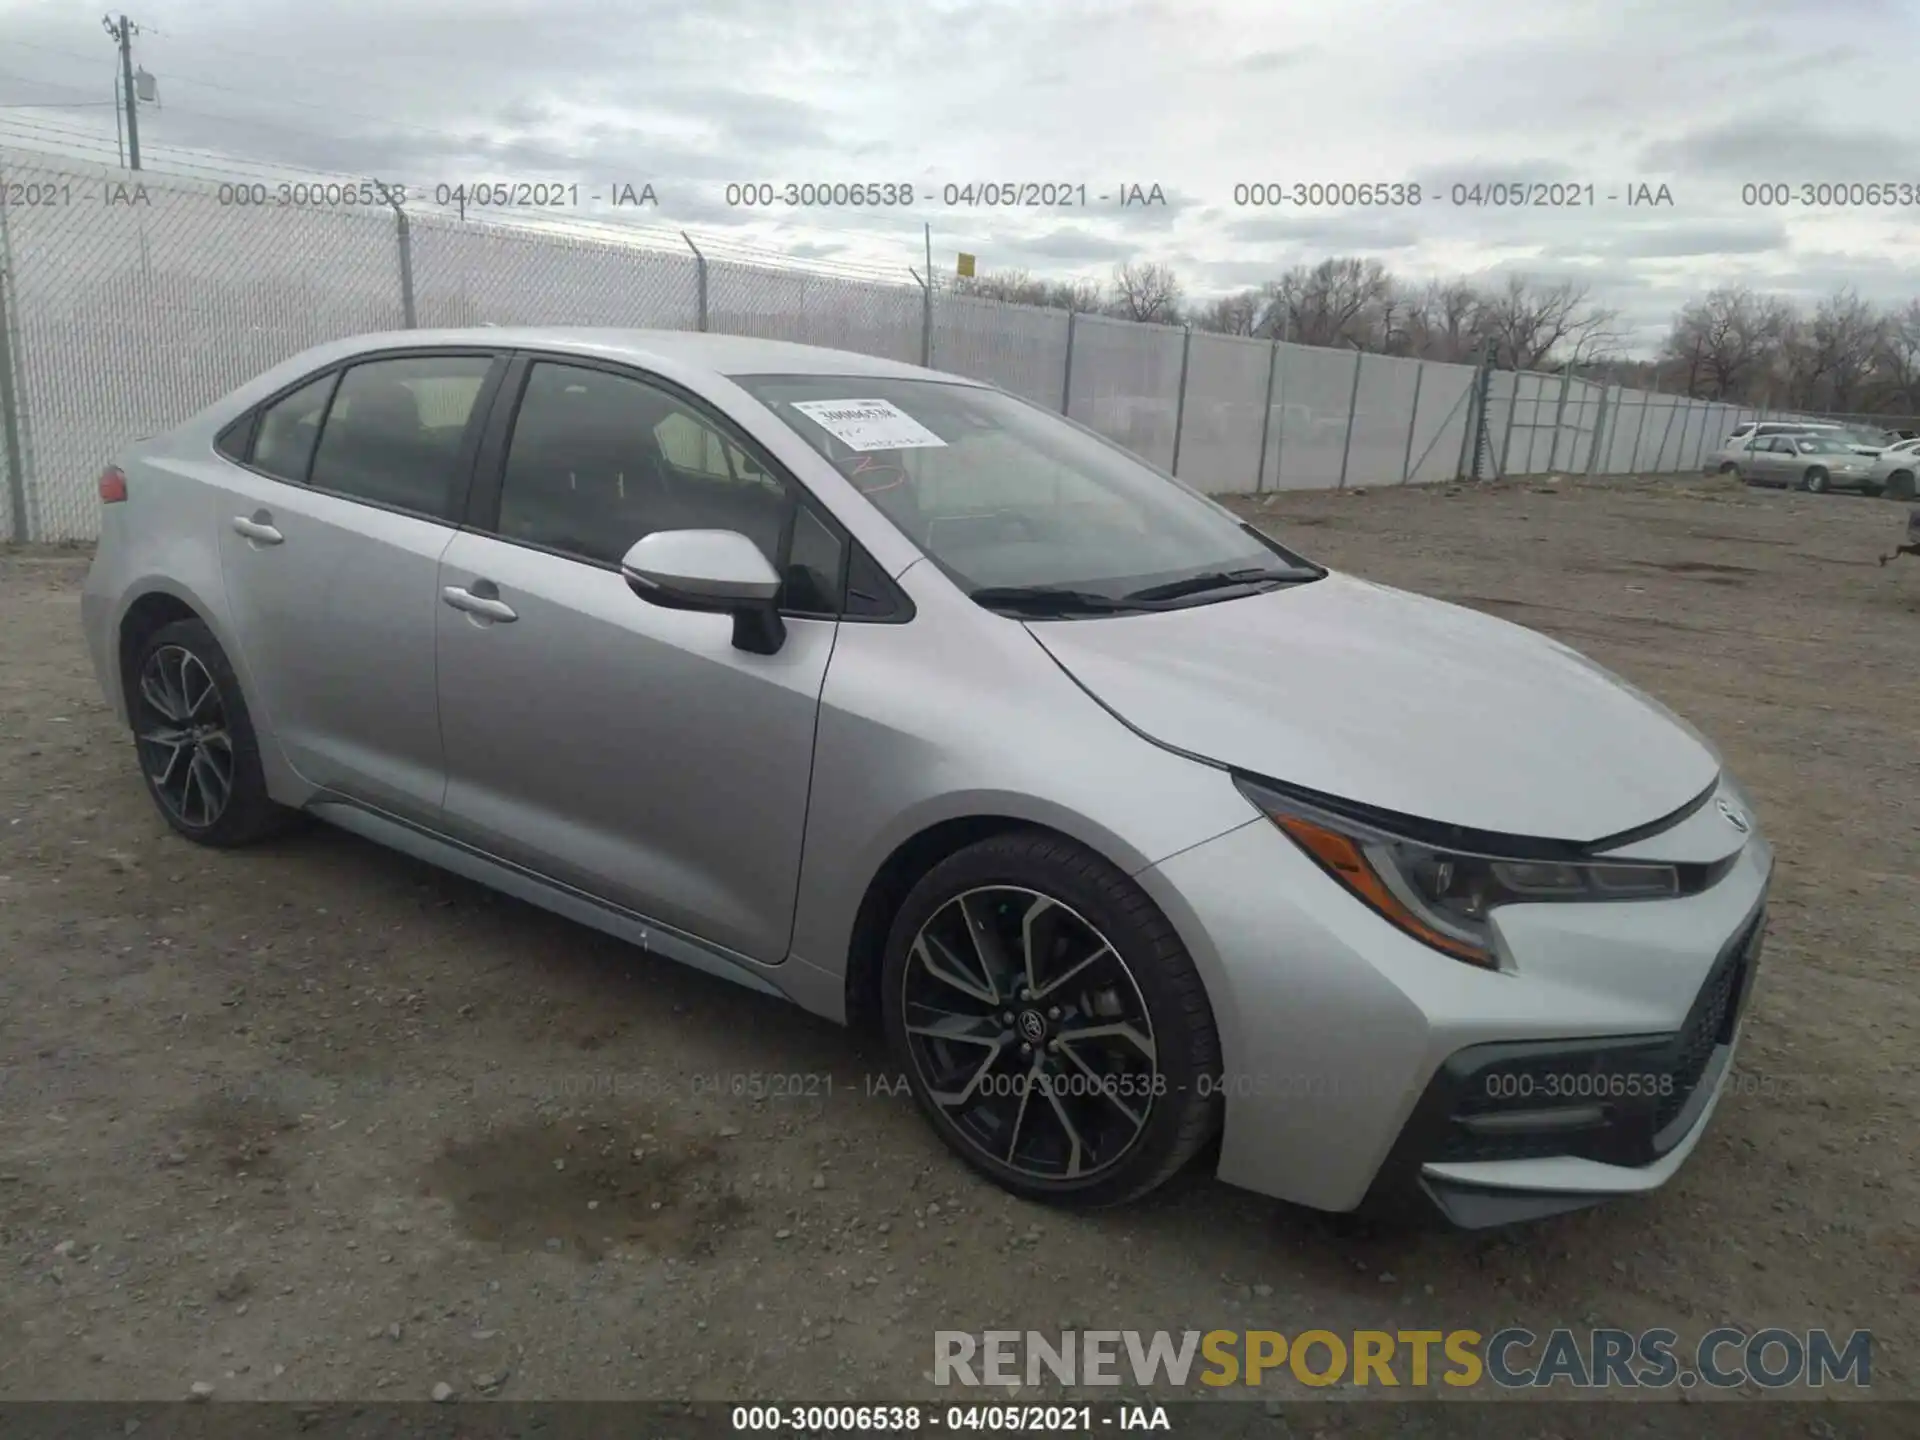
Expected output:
(1133, 829)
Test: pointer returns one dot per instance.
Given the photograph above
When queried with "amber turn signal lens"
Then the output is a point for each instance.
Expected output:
(1341, 858)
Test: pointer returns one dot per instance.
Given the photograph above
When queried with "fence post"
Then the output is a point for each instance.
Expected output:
(403, 234)
(1266, 415)
(1660, 455)
(1413, 419)
(9, 399)
(1180, 403)
(1353, 397)
(1513, 409)
(1476, 418)
(1700, 450)
(699, 282)
(1600, 417)
(926, 305)
(1066, 371)
(1559, 413)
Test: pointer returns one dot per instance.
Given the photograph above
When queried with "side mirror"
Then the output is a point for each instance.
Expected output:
(720, 572)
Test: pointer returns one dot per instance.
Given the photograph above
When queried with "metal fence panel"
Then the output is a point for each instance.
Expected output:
(1021, 348)
(152, 300)
(468, 273)
(1310, 423)
(1126, 383)
(1381, 408)
(1220, 431)
(1441, 424)
(842, 314)
(126, 316)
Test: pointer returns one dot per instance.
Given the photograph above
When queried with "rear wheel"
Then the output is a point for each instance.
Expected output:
(1051, 1024)
(198, 753)
(1815, 480)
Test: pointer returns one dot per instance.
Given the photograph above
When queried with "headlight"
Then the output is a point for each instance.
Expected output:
(1444, 897)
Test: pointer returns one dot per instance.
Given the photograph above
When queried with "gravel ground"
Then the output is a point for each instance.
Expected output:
(317, 1122)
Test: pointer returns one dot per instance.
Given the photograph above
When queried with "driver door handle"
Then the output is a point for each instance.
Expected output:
(485, 606)
(257, 531)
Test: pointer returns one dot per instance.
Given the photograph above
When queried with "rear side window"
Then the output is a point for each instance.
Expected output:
(232, 442)
(392, 435)
(288, 429)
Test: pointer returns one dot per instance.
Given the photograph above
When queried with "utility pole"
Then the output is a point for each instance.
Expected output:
(123, 34)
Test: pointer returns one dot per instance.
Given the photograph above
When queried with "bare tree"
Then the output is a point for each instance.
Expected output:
(1145, 290)
(1336, 301)
(1528, 323)
(1838, 347)
(1727, 339)
(1444, 322)
(1897, 366)
(1235, 314)
(1014, 286)
(1019, 288)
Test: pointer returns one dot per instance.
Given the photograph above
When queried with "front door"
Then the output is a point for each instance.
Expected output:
(619, 748)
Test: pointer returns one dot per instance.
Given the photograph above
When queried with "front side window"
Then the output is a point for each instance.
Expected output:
(393, 432)
(599, 460)
(1006, 497)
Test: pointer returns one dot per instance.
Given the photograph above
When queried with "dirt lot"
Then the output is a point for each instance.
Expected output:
(315, 1121)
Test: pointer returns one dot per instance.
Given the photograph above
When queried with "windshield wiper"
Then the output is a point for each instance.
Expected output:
(1051, 598)
(1219, 580)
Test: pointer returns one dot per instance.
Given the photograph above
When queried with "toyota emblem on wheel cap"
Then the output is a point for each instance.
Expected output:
(1033, 1026)
(1734, 817)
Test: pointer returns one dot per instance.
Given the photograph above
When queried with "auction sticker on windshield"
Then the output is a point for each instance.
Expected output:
(869, 424)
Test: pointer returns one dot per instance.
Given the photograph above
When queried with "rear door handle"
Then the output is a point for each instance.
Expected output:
(257, 531)
(484, 606)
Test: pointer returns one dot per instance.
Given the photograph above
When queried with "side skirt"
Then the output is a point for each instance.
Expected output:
(535, 889)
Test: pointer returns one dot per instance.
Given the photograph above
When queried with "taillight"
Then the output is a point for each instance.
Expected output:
(113, 485)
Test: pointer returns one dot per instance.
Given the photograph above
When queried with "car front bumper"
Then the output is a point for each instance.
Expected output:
(1362, 1067)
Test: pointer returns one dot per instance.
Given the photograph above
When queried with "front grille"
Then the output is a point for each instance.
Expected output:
(1710, 1024)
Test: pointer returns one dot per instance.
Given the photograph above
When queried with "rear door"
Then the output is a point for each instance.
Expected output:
(1768, 462)
(331, 531)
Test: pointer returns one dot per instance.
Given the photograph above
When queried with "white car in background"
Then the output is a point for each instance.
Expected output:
(1893, 472)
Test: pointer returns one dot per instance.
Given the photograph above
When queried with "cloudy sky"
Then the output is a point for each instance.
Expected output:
(1704, 97)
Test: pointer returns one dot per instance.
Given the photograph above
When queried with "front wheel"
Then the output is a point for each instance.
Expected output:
(1815, 481)
(1050, 1023)
(198, 753)
(1900, 485)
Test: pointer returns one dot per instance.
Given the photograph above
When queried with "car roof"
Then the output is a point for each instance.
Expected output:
(728, 355)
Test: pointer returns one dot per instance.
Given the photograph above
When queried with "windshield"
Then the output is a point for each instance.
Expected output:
(1005, 496)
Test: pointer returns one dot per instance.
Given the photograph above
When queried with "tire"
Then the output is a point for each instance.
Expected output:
(1134, 1114)
(1900, 485)
(1814, 481)
(187, 711)
(1727, 467)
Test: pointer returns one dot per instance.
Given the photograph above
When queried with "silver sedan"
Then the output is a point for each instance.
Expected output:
(1805, 462)
(882, 690)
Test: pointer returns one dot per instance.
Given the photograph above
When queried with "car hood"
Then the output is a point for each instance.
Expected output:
(1395, 701)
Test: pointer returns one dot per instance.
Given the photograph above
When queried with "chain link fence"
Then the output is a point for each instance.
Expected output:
(130, 300)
